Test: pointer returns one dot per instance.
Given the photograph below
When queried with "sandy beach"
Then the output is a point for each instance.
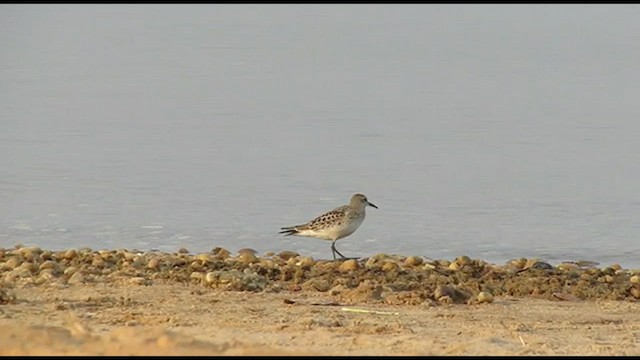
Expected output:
(120, 302)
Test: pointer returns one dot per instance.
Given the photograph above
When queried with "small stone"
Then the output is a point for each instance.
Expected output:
(183, 251)
(457, 296)
(221, 253)
(567, 266)
(616, 267)
(368, 290)
(586, 263)
(153, 264)
(269, 253)
(247, 250)
(390, 266)
(27, 267)
(518, 264)
(372, 263)
(428, 266)
(49, 264)
(70, 271)
(129, 256)
(98, 262)
(105, 254)
(609, 279)
(45, 276)
(248, 258)
(7, 296)
(267, 263)
(30, 253)
(463, 260)
(442, 290)
(211, 277)
(286, 255)
(454, 266)
(413, 261)
(635, 292)
(204, 257)
(48, 274)
(539, 265)
(317, 284)
(12, 263)
(196, 276)
(349, 265)
(306, 261)
(76, 278)
(585, 277)
(485, 297)
(635, 279)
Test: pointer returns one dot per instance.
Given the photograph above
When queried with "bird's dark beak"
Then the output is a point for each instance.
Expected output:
(370, 204)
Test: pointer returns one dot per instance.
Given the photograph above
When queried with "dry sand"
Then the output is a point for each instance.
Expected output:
(153, 315)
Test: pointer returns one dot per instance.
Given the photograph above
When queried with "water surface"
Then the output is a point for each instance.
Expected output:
(495, 131)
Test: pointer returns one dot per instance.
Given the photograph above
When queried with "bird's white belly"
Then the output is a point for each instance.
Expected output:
(336, 232)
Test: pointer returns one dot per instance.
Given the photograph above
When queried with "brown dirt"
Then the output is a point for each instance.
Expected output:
(326, 309)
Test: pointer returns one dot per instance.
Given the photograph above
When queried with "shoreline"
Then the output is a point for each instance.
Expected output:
(117, 302)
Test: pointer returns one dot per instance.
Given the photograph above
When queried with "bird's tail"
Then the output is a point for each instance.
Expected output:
(290, 230)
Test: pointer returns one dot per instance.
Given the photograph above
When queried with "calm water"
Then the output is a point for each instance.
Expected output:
(491, 131)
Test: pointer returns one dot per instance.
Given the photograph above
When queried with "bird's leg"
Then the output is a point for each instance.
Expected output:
(334, 250)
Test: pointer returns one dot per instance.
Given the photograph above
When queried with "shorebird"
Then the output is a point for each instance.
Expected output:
(335, 224)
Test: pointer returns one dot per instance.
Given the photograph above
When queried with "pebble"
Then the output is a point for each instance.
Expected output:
(390, 266)
(406, 279)
(196, 276)
(129, 256)
(349, 265)
(286, 255)
(616, 267)
(485, 297)
(413, 261)
(70, 271)
(76, 278)
(463, 260)
(12, 263)
(248, 258)
(49, 264)
(306, 261)
(317, 284)
(539, 265)
(204, 257)
(153, 264)
(247, 250)
(30, 253)
(221, 253)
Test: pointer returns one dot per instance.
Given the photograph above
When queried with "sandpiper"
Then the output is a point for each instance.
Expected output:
(335, 224)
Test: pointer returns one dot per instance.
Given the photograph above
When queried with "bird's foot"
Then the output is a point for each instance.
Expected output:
(344, 258)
